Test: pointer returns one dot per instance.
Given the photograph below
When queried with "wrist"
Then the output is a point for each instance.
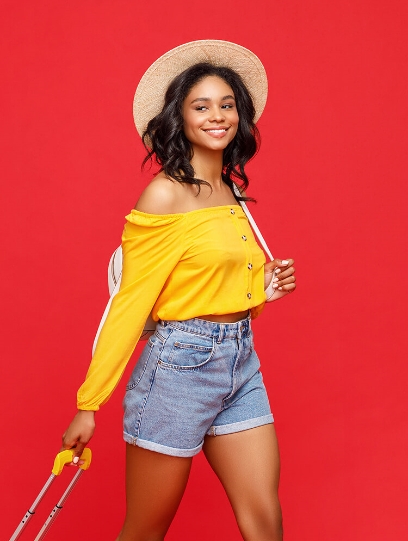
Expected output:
(86, 413)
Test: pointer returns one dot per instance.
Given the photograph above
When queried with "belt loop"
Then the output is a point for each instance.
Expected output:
(221, 333)
(245, 327)
(242, 329)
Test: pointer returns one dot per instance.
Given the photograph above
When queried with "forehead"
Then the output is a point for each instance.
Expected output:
(211, 86)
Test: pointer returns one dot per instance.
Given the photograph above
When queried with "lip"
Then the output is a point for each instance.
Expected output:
(217, 132)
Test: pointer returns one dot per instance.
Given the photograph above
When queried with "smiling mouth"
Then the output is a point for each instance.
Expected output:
(216, 132)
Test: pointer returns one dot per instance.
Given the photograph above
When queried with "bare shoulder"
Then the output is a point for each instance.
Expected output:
(161, 196)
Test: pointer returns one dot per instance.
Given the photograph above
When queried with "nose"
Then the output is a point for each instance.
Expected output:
(217, 115)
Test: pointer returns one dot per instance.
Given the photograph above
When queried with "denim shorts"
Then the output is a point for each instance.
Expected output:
(194, 378)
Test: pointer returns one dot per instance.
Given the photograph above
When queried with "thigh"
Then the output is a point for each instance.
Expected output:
(155, 484)
(247, 464)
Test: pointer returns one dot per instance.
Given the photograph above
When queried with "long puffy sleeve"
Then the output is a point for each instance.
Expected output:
(152, 246)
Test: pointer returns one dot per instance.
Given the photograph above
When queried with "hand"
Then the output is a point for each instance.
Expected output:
(79, 432)
(284, 281)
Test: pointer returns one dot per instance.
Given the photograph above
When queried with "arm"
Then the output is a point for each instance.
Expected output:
(152, 246)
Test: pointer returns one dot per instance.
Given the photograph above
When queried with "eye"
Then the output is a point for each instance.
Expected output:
(200, 108)
(228, 106)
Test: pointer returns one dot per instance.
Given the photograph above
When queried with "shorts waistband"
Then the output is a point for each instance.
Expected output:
(220, 331)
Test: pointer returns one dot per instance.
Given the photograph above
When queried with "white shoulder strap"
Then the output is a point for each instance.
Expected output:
(253, 223)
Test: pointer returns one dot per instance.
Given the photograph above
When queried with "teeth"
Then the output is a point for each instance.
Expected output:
(215, 131)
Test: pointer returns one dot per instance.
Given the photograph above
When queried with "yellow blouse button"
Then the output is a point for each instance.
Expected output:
(232, 211)
(244, 237)
(249, 295)
(250, 266)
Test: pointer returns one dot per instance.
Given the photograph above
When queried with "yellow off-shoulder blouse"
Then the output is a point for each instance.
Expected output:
(178, 266)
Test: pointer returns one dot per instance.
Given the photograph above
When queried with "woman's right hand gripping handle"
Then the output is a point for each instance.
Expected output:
(79, 432)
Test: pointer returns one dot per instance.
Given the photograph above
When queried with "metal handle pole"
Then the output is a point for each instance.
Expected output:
(32, 509)
(58, 507)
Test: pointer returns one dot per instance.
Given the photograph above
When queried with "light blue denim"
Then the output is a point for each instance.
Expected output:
(194, 378)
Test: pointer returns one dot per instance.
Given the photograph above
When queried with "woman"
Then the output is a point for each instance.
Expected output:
(190, 255)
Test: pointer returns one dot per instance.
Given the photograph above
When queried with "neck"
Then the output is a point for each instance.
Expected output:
(207, 166)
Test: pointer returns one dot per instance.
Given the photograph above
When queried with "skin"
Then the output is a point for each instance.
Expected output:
(247, 462)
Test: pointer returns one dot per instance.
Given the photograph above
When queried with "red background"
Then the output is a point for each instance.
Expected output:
(330, 180)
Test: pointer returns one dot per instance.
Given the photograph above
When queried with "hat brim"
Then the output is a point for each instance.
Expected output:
(149, 96)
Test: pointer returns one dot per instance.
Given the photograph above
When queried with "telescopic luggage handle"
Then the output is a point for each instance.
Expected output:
(62, 458)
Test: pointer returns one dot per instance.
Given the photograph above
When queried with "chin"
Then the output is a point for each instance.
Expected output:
(219, 144)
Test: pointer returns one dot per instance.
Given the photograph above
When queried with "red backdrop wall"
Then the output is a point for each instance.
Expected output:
(331, 184)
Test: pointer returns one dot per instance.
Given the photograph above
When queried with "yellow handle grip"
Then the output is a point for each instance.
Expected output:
(65, 457)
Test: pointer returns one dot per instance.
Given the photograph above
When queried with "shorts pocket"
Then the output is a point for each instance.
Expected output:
(184, 351)
(141, 366)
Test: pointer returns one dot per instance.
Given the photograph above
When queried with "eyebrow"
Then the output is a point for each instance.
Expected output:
(228, 97)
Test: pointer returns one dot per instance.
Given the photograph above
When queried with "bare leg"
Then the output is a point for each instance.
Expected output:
(247, 464)
(155, 484)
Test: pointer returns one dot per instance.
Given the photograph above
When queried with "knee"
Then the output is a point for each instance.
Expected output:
(262, 525)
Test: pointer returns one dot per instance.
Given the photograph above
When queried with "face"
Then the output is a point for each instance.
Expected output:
(210, 114)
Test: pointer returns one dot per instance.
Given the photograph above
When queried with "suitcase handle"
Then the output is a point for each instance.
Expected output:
(62, 458)
(65, 457)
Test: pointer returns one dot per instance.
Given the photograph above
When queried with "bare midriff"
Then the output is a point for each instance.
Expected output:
(225, 318)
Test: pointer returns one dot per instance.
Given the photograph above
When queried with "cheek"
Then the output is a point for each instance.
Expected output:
(235, 123)
(187, 130)
(190, 126)
(233, 118)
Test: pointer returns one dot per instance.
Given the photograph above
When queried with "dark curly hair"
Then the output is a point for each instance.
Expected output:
(164, 137)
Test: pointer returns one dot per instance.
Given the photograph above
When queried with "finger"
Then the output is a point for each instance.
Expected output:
(282, 264)
(281, 284)
(288, 288)
(281, 280)
(66, 444)
(282, 274)
(288, 281)
(79, 449)
(273, 265)
(75, 446)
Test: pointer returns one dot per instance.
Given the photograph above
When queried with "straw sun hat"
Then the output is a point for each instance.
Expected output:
(149, 97)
